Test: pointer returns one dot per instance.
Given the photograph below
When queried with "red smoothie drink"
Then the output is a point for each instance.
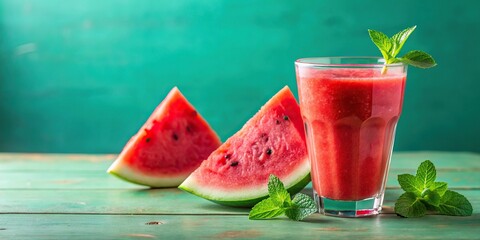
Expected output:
(350, 114)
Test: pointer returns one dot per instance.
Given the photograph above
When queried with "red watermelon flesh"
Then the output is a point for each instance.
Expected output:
(271, 142)
(170, 145)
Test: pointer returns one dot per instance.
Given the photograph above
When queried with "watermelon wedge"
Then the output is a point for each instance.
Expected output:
(271, 142)
(170, 145)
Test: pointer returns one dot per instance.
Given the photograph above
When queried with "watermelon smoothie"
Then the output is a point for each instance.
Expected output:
(350, 110)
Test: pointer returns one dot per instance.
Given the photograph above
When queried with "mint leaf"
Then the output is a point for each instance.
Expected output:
(383, 43)
(409, 205)
(267, 208)
(400, 38)
(390, 48)
(455, 204)
(439, 187)
(422, 193)
(277, 191)
(409, 183)
(426, 174)
(302, 207)
(419, 59)
(279, 203)
(431, 197)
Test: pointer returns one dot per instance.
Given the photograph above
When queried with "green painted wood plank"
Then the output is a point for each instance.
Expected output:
(391, 227)
(102, 180)
(71, 197)
(10, 162)
(450, 160)
(60, 171)
(64, 180)
(21, 162)
(153, 201)
(119, 201)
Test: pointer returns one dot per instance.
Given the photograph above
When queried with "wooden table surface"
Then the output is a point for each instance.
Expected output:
(55, 196)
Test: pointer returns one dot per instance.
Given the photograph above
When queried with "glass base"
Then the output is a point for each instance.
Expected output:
(353, 209)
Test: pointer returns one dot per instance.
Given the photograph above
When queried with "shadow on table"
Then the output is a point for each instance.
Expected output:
(220, 209)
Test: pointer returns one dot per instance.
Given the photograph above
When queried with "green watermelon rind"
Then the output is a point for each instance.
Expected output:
(251, 202)
(127, 178)
(294, 187)
(123, 172)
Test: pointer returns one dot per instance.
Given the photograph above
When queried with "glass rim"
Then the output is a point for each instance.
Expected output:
(324, 62)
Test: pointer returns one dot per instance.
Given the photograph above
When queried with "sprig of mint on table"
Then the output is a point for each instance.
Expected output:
(279, 203)
(390, 48)
(422, 193)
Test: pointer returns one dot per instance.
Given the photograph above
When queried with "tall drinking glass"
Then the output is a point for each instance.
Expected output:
(350, 107)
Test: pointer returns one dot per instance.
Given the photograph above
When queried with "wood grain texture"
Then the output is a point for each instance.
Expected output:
(25, 162)
(54, 227)
(82, 171)
(138, 202)
(56, 196)
(59, 179)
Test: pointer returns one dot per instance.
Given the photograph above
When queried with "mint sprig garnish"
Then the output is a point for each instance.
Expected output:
(390, 48)
(422, 193)
(279, 203)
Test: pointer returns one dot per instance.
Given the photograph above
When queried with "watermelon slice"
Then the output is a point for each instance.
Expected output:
(271, 142)
(169, 146)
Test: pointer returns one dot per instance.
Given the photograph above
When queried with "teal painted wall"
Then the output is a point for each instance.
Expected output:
(82, 76)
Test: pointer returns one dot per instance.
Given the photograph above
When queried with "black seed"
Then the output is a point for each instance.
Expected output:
(227, 156)
(147, 140)
(285, 118)
(269, 151)
(233, 164)
(278, 122)
(175, 136)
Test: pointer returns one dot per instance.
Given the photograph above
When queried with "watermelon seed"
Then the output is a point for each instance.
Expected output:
(269, 151)
(285, 118)
(189, 129)
(278, 122)
(233, 164)
(175, 137)
(227, 156)
(147, 140)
